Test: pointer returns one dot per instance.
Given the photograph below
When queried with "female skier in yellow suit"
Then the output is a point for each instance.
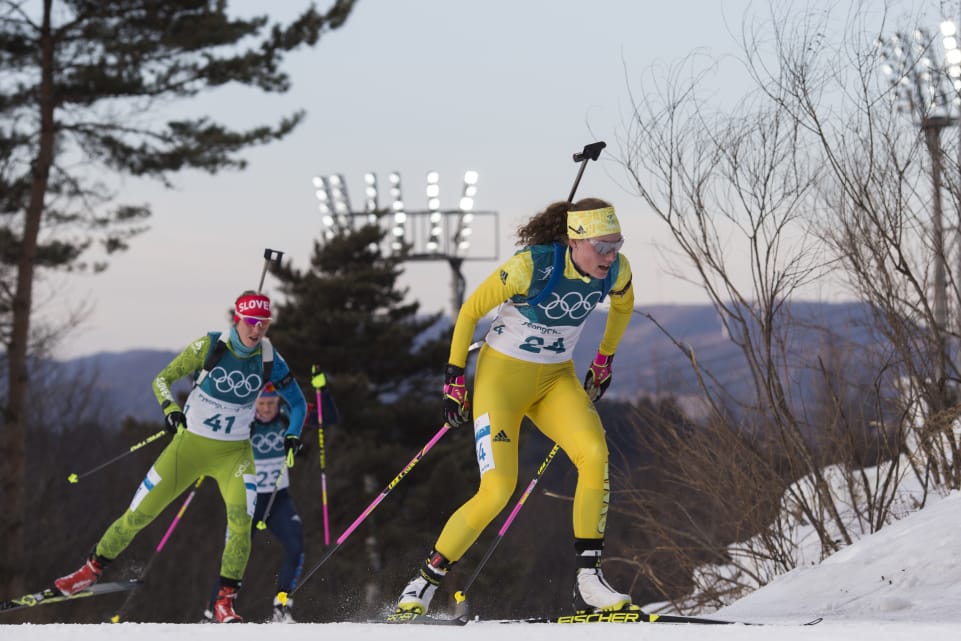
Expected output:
(569, 264)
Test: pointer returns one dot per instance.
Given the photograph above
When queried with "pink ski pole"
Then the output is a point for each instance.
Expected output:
(370, 508)
(462, 607)
(180, 513)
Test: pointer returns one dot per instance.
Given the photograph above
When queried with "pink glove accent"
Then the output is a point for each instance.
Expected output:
(456, 400)
(456, 390)
(599, 376)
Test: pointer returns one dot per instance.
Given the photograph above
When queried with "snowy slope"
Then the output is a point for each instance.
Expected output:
(903, 583)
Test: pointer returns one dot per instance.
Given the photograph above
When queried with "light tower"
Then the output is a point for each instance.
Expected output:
(927, 86)
(431, 234)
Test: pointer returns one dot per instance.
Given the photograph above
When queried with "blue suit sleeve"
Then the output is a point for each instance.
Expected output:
(296, 403)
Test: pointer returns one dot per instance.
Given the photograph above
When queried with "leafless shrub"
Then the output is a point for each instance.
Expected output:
(813, 174)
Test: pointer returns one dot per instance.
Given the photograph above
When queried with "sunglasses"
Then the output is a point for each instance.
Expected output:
(605, 247)
(254, 321)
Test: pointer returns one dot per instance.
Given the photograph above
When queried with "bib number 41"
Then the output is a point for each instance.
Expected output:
(218, 422)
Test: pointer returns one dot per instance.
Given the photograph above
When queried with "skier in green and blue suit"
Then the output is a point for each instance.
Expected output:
(210, 437)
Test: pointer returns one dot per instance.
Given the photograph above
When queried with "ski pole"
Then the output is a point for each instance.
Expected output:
(163, 541)
(370, 508)
(262, 523)
(180, 513)
(73, 477)
(319, 381)
(462, 609)
(590, 152)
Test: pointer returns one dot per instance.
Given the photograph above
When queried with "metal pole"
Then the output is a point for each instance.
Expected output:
(458, 285)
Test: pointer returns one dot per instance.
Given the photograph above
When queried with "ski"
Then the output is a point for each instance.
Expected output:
(641, 617)
(420, 619)
(593, 617)
(53, 595)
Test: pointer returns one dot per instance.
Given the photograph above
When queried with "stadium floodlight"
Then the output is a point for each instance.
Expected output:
(433, 190)
(370, 196)
(322, 191)
(399, 229)
(340, 200)
(952, 56)
(462, 235)
(435, 219)
(421, 235)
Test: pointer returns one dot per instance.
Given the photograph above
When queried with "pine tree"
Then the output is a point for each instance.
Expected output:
(347, 315)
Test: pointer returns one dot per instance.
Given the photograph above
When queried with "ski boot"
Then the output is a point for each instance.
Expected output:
(83, 578)
(416, 597)
(224, 605)
(592, 593)
(282, 607)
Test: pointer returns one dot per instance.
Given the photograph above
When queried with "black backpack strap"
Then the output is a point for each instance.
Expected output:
(213, 357)
(217, 352)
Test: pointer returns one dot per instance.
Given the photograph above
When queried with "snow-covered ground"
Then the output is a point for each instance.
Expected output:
(903, 582)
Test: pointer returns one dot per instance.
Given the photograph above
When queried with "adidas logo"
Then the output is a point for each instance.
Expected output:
(501, 437)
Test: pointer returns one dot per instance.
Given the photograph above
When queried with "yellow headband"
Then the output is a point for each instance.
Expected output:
(592, 223)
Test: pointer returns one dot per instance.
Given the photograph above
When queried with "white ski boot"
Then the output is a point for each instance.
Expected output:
(592, 593)
(416, 597)
(282, 610)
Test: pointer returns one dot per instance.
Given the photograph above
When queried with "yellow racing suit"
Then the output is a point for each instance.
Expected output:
(525, 368)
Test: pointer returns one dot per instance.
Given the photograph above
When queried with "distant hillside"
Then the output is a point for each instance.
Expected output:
(646, 363)
(124, 379)
(649, 362)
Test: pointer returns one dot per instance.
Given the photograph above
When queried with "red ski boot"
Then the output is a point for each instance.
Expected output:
(224, 606)
(82, 579)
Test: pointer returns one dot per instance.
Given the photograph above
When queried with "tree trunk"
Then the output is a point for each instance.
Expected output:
(13, 478)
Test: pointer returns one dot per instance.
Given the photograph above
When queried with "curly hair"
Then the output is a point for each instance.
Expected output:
(550, 225)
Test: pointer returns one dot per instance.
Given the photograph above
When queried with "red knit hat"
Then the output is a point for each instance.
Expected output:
(252, 306)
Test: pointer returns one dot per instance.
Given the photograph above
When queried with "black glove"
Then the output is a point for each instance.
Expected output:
(173, 422)
(292, 445)
(456, 398)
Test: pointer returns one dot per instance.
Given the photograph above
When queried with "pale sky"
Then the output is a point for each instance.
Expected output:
(508, 89)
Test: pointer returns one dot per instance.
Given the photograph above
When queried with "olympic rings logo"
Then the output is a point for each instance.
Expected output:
(265, 443)
(572, 305)
(236, 382)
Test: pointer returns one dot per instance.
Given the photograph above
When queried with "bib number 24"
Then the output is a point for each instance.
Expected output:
(535, 344)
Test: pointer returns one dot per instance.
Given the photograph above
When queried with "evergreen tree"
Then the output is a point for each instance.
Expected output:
(347, 315)
(384, 363)
(81, 80)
